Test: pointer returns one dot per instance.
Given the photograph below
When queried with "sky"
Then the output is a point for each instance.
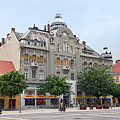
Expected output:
(95, 21)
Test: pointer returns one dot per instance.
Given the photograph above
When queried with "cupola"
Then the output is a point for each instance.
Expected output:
(57, 22)
(106, 53)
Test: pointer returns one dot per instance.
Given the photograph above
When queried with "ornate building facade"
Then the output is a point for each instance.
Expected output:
(52, 51)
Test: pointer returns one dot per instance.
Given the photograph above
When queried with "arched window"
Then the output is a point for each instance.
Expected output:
(26, 57)
(65, 46)
(65, 62)
(41, 58)
(33, 58)
(58, 62)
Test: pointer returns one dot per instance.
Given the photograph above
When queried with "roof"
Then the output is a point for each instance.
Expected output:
(116, 67)
(6, 66)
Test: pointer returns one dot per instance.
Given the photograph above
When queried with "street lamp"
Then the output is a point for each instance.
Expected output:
(17, 84)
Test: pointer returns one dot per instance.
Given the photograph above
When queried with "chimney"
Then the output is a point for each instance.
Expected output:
(8, 35)
(83, 43)
(74, 37)
(44, 27)
(2, 42)
(35, 27)
(13, 29)
(48, 27)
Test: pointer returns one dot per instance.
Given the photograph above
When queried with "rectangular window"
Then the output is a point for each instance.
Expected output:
(33, 58)
(58, 62)
(41, 101)
(29, 101)
(33, 73)
(26, 73)
(41, 76)
(117, 78)
(65, 62)
(41, 59)
(72, 76)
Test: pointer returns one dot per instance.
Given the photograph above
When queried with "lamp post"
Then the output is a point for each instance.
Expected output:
(89, 94)
(17, 84)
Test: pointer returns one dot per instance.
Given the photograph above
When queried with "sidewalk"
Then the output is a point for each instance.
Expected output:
(30, 111)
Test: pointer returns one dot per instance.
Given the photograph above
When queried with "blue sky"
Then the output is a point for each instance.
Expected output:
(95, 21)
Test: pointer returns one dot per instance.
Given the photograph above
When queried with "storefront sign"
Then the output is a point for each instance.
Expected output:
(51, 96)
(41, 96)
(29, 96)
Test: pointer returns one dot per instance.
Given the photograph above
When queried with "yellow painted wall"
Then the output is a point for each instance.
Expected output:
(6, 101)
(115, 77)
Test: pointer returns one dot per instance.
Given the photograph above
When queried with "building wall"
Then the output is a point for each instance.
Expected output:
(11, 51)
(6, 101)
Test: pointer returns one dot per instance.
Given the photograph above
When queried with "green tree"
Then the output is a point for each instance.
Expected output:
(12, 84)
(116, 90)
(97, 81)
(55, 86)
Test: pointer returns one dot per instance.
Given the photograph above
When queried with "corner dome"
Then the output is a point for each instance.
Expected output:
(106, 53)
(57, 22)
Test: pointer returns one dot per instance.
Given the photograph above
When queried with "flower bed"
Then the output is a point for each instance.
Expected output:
(105, 107)
(98, 107)
(83, 107)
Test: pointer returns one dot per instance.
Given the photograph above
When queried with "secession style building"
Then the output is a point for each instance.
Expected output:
(52, 51)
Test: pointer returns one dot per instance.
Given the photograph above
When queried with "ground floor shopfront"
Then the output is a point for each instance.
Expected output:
(93, 99)
(7, 103)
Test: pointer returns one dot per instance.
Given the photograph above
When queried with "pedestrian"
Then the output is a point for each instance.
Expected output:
(71, 104)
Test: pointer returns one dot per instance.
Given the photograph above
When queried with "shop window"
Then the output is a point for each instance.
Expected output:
(41, 59)
(72, 76)
(33, 73)
(41, 101)
(58, 62)
(12, 103)
(65, 62)
(29, 101)
(54, 101)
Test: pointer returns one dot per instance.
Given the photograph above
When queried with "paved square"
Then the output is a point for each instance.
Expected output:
(54, 114)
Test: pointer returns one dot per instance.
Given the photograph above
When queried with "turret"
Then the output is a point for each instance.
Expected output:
(106, 53)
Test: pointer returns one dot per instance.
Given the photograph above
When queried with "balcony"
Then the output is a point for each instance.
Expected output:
(66, 67)
(34, 64)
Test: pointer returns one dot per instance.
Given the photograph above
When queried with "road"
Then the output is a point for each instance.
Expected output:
(54, 114)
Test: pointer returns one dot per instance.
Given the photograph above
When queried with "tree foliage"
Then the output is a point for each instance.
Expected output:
(97, 81)
(116, 90)
(55, 86)
(12, 84)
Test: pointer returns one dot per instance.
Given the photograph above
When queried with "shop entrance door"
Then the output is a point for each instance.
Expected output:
(12, 103)
(66, 100)
(2, 103)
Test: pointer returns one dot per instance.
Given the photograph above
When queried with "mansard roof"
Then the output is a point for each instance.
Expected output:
(33, 34)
